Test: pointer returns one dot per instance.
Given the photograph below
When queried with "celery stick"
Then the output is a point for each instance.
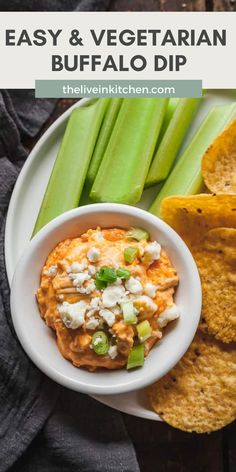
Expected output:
(186, 178)
(69, 171)
(172, 140)
(122, 173)
(172, 105)
(103, 138)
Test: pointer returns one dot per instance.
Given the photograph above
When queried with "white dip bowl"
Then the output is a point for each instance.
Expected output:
(39, 341)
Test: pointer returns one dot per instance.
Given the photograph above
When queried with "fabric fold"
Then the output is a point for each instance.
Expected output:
(44, 427)
(27, 397)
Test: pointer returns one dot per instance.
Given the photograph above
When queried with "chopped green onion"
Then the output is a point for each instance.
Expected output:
(123, 273)
(100, 283)
(100, 343)
(138, 234)
(144, 330)
(136, 357)
(129, 313)
(107, 274)
(130, 254)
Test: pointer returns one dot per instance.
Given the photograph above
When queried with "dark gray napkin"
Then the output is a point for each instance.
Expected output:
(44, 427)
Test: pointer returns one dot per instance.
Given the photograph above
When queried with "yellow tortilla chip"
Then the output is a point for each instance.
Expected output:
(219, 162)
(199, 393)
(192, 216)
(216, 261)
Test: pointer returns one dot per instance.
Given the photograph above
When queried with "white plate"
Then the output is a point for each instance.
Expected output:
(26, 200)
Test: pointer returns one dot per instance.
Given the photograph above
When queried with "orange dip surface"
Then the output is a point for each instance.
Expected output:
(78, 306)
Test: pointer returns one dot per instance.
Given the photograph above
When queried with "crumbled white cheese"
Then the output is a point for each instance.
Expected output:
(146, 304)
(133, 285)
(92, 323)
(169, 314)
(94, 302)
(108, 316)
(98, 236)
(72, 314)
(52, 271)
(86, 290)
(90, 288)
(117, 282)
(81, 290)
(112, 295)
(152, 252)
(91, 312)
(113, 352)
(92, 270)
(116, 310)
(93, 254)
(150, 290)
(79, 278)
(77, 267)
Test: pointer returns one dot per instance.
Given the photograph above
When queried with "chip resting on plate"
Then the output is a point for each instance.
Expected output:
(199, 393)
(216, 261)
(219, 162)
(192, 216)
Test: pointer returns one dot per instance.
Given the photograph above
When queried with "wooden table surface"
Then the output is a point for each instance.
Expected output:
(173, 5)
(159, 447)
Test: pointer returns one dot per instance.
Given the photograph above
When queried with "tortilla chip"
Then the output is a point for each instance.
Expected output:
(216, 261)
(192, 216)
(219, 162)
(199, 393)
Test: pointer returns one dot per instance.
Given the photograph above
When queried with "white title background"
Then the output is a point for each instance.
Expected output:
(22, 65)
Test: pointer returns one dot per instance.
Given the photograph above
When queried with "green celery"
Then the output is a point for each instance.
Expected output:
(144, 330)
(122, 173)
(186, 177)
(172, 140)
(172, 105)
(129, 313)
(136, 357)
(138, 234)
(68, 175)
(130, 254)
(103, 139)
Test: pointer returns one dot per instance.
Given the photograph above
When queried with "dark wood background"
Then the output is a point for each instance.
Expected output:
(159, 447)
(173, 5)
